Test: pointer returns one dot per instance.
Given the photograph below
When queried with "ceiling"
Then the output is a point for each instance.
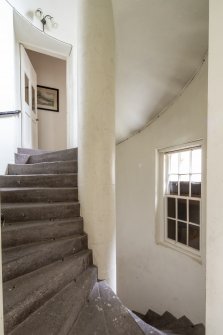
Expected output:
(160, 45)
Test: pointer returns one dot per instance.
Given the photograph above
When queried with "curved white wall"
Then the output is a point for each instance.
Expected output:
(150, 275)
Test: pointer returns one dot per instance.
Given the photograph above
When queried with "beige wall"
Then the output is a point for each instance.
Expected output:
(51, 72)
(214, 288)
(151, 275)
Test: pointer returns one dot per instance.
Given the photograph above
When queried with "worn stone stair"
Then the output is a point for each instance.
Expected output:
(50, 284)
(169, 324)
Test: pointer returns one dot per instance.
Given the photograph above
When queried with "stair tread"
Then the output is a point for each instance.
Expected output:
(197, 329)
(28, 257)
(37, 175)
(26, 293)
(39, 180)
(38, 223)
(93, 314)
(164, 320)
(151, 316)
(20, 189)
(179, 323)
(104, 314)
(39, 204)
(55, 167)
(14, 253)
(63, 308)
(59, 155)
(43, 163)
(33, 151)
(146, 328)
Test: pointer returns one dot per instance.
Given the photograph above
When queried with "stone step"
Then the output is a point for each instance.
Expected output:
(21, 158)
(29, 152)
(182, 322)
(164, 320)
(43, 180)
(91, 318)
(151, 316)
(25, 294)
(146, 328)
(61, 155)
(43, 168)
(198, 329)
(105, 312)
(39, 211)
(20, 260)
(38, 194)
(18, 233)
(57, 316)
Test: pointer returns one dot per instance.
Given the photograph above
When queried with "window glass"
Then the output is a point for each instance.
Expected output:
(26, 89)
(183, 197)
(196, 161)
(171, 208)
(171, 233)
(182, 232)
(185, 162)
(33, 100)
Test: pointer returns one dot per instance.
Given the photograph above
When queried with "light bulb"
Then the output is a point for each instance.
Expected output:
(39, 13)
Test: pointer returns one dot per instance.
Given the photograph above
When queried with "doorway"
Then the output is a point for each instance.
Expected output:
(28, 101)
(52, 123)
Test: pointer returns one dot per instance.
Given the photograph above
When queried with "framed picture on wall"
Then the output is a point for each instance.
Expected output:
(47, 98)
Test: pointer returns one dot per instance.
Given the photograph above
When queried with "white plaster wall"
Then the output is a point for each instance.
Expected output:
(150, 275)
(62, 11)
(9, 97)
(214, 288)
(52, 127)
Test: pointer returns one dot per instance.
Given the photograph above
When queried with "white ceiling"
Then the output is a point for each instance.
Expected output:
(160, 44)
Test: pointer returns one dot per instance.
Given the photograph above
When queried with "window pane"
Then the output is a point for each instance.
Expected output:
(184, 185)
(194, 237)
(33, 100)
(195, 189)
(194, 211)
(173, 163)
(196, 161)
(185, 162)
(182, 232)
(182, 209)
(196, 178)
(173, 185)
(171, 207)
(171, 229)
(26, 89)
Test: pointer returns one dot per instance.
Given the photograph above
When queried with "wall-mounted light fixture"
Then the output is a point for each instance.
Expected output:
(45, 19)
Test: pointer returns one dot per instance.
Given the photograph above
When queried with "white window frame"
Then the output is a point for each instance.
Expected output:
(160, 202)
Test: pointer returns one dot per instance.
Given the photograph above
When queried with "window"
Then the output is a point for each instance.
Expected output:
(182, 197)
(179, 198)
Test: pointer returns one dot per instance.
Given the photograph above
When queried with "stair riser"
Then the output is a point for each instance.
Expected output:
(50, 287)
(65, 180)
(21, 158)
(67, 155)
(43, 168)
(56, 211)
(47, 254)
(25, 235)
(39, 195)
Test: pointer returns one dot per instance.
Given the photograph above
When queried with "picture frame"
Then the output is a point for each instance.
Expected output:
(47, 98)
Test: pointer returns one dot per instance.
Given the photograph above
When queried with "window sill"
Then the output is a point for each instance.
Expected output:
(182, 250)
